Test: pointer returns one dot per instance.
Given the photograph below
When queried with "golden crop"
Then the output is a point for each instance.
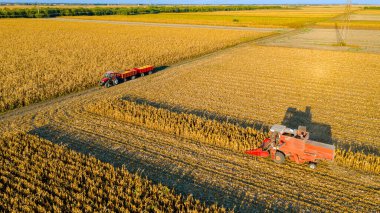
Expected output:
(285, 18)
(336, 93)
(364, 25)
(210, 153)
(219, 133)
(41, 59)
(196, 155)
(186, 127)
(37, 175)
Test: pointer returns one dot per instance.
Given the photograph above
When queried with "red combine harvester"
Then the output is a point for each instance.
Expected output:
(294, 144)
(111, 78)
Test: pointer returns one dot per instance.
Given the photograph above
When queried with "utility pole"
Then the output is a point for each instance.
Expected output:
(343, 30)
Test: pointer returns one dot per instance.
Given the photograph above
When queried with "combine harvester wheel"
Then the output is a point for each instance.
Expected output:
(312, 165)
(279, 157)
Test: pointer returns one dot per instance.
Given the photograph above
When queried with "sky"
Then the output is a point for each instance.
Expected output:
(196, 1)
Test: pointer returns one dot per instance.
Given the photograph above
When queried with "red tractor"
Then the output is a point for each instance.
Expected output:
(111, 78)
(295, 145)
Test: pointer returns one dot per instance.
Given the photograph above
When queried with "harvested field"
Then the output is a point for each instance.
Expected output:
(204, 167)
(326, 39)
(37, 175)
(354, 25)
(368, 12)
(175, 140)
(321, 89)
(362, 17)
(46, 59)
(210, 172)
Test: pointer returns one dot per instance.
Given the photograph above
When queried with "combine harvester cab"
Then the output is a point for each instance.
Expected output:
(111, 78)
(295, 145)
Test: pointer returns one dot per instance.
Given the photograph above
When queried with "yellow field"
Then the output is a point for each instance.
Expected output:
(186, 127)
(266, 83)
(62, 6)
(289, 18)
(360, 19)
(37, 175)
(368, 12)
(42, 58)
(364, 25)
(175, 145)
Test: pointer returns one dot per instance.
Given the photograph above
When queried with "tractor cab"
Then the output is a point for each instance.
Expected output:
(108, 74)
(109, 79)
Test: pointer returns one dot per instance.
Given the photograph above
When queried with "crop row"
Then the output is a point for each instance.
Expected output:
(334, 85)
(223, 134)
(259, 182)
(37, 175)
(290, 17)
(42, 59)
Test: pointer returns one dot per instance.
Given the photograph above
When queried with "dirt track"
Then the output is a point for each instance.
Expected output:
(151, 24)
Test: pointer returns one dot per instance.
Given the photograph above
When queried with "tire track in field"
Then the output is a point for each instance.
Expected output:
(237, 175)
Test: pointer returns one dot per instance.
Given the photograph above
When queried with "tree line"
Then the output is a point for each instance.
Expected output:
(46, 12)
(372, 8)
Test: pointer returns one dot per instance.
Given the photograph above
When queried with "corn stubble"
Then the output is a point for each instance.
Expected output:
(262, 84)
(223, 134)
(41, 59)
(37, 175)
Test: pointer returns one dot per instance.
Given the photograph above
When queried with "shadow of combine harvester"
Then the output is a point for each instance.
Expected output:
(318, 131)
(322, 132)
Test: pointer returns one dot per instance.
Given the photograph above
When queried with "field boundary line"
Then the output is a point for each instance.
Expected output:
(157, 24)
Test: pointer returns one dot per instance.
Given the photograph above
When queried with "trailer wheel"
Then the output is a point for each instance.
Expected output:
(312, 165)
(150, 72)
(279, 157)
(142, 74)
(133, 77)
(115, 82)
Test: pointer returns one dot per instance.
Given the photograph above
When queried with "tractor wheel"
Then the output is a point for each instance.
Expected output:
(279, 157)
(150, 72)
(116, 81)
(142, 74)
(133, 77)
(107, 84)
(312, 165)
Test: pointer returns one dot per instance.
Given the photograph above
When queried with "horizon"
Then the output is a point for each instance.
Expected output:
(195, 2)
